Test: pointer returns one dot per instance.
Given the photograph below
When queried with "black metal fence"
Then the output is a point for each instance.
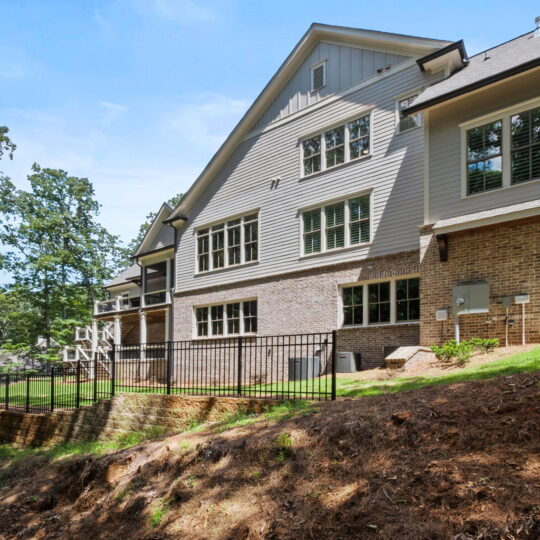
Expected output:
(301, 366)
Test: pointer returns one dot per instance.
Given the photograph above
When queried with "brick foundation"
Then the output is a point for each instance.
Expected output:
(506, 256)
(306, 302)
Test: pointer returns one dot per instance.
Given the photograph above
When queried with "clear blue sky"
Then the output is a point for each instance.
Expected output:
(137, 95)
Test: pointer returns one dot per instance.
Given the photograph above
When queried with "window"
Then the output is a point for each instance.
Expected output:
(525, 129)
(484, 157)
(353, 305)
(407, 122)
(318, 76)
(344, 223)
(335, 146)
(501, 150)
(312, 231)
(386, 302)
(233, 318)
(408, 299)
(379, 302)
(228, 244)
(312, 155)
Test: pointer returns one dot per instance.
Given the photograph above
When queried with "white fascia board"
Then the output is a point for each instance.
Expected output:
(483, 219)
(151, 231)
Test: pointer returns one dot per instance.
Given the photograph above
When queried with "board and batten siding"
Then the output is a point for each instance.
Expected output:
(346, 66)
(446, 161)
(394, 173)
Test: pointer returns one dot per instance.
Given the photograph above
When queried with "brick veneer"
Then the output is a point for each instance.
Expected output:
(307, 301)
(507, 256)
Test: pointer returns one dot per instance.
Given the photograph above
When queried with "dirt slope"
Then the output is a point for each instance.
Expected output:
(460, 461)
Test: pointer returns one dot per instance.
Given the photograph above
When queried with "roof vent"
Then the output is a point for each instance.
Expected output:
(318, 76)
(537, 31)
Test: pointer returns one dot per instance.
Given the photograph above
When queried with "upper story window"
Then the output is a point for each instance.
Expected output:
(525, 129)
(385, 302)
(502, 151)
(338, 225)
(318, 76)
(227, 244)
(407, 122)
(338, 145)
(230, 319)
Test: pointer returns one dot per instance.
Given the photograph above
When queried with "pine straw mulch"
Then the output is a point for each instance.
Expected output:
(460, 462)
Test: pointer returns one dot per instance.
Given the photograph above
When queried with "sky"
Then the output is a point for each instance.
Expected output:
(137, 95)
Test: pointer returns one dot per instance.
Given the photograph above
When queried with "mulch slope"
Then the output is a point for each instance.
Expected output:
(460, 461)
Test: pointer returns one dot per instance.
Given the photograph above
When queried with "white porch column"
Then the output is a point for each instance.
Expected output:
(95, 340)
(117, 330)
(167, 324)
(142, 333)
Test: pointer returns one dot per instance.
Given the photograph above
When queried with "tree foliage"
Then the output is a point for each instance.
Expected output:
(143, 229)
(6, 145)
(57, 252)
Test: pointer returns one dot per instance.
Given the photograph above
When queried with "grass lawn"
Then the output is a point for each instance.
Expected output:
(65, 392)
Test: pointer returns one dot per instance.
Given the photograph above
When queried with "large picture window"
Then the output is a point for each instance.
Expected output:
(335, 146)
(385, 302)
(230, 319)
(338, 225)
(227, 244)
(502, 150)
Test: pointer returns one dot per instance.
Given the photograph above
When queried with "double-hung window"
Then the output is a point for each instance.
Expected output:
(341, 224)
(341, 144)
(502, 149)
(230, 319)
(385, 302)
(227, 244)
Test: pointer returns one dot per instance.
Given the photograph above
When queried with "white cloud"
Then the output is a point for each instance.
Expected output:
(113, 111)
(207, 122)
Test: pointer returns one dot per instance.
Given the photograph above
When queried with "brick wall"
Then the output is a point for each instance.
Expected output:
(305, 302)
(507, 256)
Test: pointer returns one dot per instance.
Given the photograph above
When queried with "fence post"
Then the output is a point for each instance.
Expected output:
(334, 357)
(7, 391)
(94, 397)
(239, 388)
(169, 366)
(113, 368)
(27, 392)
(52, 389)
(78, 383)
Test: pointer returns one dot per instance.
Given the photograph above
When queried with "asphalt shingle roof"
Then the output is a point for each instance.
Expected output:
(126, 276)
(483, 67)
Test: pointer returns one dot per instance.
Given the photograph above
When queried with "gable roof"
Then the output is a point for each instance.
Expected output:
(504, 60)
(155, 228)
(412, 45)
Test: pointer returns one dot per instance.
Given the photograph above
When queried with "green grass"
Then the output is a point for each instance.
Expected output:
(158, 513)
(517, 363)
(10, 455)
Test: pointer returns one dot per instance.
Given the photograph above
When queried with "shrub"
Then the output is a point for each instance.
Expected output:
(484, 345)
(452, 351)
(284, 447)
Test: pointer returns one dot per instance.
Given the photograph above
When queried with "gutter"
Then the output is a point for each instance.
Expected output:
(516, 70)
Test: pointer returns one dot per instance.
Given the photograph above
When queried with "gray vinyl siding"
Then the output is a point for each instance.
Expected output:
(394, 172)
(164, 238)
(445, 159)
(345, 66)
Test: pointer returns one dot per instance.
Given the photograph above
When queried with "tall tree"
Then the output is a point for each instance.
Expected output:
(5, 143)
(57, 250)
(143, 229)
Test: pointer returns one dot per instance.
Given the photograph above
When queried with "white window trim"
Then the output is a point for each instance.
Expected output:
(504, 115)
(401, 97)
(209, 319)
(323, 63)
(348, 245)
(228, 266)
(365, 306)
(347, 158)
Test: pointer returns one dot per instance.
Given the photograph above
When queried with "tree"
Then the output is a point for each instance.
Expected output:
(5, 143)
(143, 229)
(58, 253)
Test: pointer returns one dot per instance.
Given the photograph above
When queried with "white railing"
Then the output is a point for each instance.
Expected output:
(83, 334)
(119, 304)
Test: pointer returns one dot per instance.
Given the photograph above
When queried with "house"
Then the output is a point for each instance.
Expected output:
(383, 185)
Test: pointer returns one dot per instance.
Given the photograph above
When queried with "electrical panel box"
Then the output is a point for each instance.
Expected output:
(471, 298)
(522, 299)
